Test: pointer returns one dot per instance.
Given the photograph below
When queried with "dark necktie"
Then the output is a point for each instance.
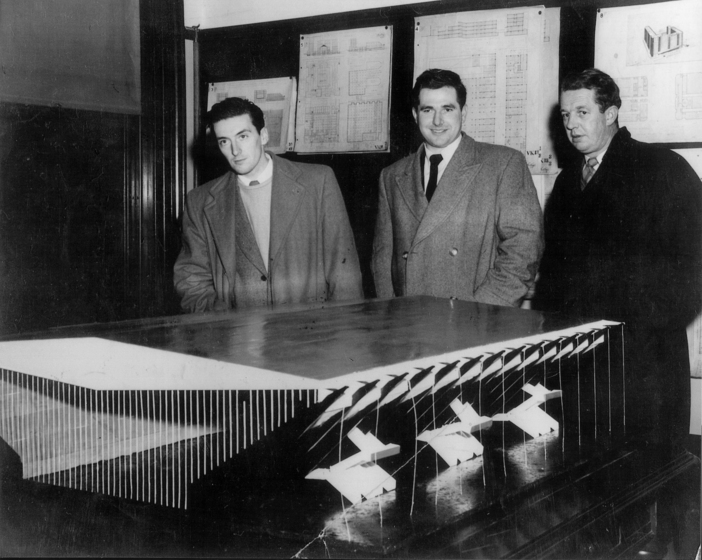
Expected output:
(588, 172)
(254, 184)
(435, 160)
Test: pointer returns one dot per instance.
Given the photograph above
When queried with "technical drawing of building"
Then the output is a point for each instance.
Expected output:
(658, 44)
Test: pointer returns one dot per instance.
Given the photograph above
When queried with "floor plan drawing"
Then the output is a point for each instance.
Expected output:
(344, 93)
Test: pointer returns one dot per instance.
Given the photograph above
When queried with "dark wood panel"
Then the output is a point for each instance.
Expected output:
(90, 200)
(62, 222)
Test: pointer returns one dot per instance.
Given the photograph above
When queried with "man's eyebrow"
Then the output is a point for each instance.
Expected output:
(445, 105)
(576, 108)
(236, 133)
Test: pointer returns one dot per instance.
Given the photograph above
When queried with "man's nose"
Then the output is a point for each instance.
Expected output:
(235, 149)
(438, 119)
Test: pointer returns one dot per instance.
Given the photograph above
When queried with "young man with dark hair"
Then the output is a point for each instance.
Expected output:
(269, 231)
(458, 218)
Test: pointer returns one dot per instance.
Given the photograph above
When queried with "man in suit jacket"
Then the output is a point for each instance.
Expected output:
(470, 228)
(269, 231)
(626, 245)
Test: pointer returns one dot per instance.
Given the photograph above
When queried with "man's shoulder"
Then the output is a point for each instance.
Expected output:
(497, 151)
(299, 168)
(637, 154)
(401, 165)
(204, 189)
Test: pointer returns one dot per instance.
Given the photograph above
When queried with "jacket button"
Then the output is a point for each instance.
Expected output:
(453, 252)
(263, 277)
(405, 255)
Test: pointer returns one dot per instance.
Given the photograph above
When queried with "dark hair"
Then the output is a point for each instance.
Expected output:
(234, 107)
(436, 79)
(606, 90)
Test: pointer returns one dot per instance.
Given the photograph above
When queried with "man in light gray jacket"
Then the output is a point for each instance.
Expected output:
(269, 231)
(458, 218)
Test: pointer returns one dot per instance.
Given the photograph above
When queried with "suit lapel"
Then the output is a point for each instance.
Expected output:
(286, 197)
(410, 184)
(230, 226)
(219, 210)
(455, 184)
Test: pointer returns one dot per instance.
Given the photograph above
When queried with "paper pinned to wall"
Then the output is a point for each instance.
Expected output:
(694, 329)
(693, 156)
(508, 61)
(654, 53)
(276, 98)
(344, 94)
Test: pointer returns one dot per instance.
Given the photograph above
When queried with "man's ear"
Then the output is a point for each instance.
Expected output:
(414, 114)
(611, 114)
(264, 136)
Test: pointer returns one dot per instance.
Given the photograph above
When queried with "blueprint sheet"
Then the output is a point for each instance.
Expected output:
(344, 93)
(654, 53)
(508, 61)
(275, 97)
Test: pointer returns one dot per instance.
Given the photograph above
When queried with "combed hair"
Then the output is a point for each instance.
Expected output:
(605, 88)
(234, 107)
(436, 78)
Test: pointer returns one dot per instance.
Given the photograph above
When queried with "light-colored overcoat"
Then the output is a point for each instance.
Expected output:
(313, 255)
(480, 238)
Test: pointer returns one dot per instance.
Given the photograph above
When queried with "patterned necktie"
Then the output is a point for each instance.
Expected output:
(588, 172)
(435, 160)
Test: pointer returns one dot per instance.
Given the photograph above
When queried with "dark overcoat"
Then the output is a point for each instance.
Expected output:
(629, 248)
(313, 255)
(479, 239)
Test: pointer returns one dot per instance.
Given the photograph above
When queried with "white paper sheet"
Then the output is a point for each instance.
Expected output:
(344, 95)
(654, 53)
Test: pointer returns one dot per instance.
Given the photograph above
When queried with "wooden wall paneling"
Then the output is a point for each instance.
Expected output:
(157, 182)
(61, 216)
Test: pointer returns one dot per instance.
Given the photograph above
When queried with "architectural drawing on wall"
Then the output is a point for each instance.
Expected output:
(516, 24)
(634, 94)
(688, 96)
(481, 86)
(344, 94)
(657, 67)
(516, 101)
(661, 43)
(322, 123)
(365, 122)
(508, 61)
(276, 97)
(322, 79)
(322, 46)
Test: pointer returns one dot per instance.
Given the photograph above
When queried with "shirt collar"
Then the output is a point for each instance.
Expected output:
(446, 152)
(266, 174)
(599, 155)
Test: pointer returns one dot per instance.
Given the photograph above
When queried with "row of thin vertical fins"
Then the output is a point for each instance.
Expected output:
(142, 445)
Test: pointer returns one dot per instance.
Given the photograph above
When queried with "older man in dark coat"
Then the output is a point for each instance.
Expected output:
(623, 242)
